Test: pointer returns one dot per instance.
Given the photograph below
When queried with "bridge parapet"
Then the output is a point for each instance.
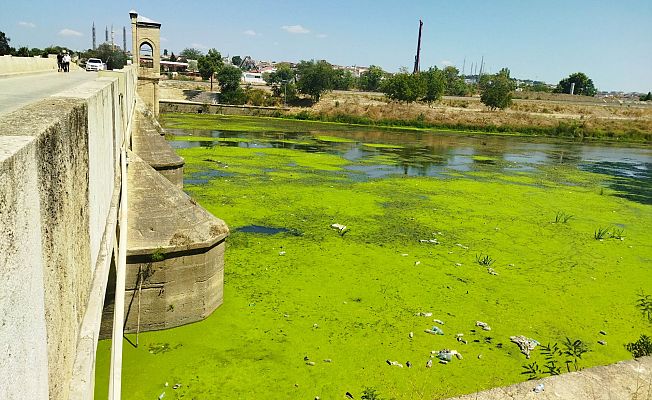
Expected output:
(59, 184)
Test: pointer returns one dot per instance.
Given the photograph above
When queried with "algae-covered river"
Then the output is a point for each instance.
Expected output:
(444, 230)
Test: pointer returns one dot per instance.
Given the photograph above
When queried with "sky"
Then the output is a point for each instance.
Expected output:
(547, 40)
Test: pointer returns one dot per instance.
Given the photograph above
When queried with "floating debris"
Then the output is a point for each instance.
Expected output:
(603, 333)
(461, 340)
(440, 322)
(429, 364)
(160, 396)
(491, 271)
(409, 364)
(431, 241)
(423, 314)
(311, 363)
(462, 246)
(349, 395)
(315, 326)
(510, 265)
(339, 227)
(176, 386)
(434, 331)
(306, 358)
(327, 360)
(443, 362)
(281, 253)
(417, 263)
(404, 255)
(411, 335)
(525, 344)
(483, 325)
(602, 342)
(458, 264)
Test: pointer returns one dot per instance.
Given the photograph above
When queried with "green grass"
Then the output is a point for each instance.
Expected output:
(363, 289)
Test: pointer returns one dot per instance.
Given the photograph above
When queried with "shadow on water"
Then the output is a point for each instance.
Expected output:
(375, 154)
(631, 182)
(266, 230)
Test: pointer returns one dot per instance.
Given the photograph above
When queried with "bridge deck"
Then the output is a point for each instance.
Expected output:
(19, 91)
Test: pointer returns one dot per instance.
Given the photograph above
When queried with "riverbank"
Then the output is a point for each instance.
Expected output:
(570, 117)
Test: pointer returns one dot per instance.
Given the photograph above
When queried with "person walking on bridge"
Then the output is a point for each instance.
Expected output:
(66, 62)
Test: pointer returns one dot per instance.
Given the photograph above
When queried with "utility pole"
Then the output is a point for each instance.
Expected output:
(94, 46)
(417, 57)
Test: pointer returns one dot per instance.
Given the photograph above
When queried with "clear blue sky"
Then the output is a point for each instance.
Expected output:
(609, 40)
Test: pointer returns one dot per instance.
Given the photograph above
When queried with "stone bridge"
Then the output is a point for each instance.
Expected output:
(91, 205)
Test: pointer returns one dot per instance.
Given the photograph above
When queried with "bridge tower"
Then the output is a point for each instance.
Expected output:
(145, 51)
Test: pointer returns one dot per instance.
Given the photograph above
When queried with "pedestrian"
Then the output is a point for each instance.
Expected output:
(60, 61)
(66, 62)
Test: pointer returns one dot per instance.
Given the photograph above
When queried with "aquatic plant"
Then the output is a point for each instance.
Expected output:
(574, 350)
(640, 348)
(370, 394)
(551, 354)
(600, 233)
(485, 261)
(617, 233)
(562, 217)
(531, 370)
(644, 304)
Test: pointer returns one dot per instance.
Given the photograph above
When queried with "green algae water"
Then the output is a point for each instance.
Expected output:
(314, 311)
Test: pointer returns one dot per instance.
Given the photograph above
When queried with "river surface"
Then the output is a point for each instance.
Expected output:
(627, 169)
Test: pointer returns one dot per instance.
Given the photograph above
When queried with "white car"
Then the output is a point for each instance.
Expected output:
(95, 64)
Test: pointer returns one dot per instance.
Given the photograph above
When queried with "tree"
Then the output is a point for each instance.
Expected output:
(173, 58)
(191, 54)
(4, 44)
(583, 85)
(281, 81)
(455, 85)
(370, 79)
(315, 78)
(229, 77)
(496, 90)
(114, 58)
(435, 83)
(22, 52)
(343, 79)
(236, 60)
(209, 64)
(404, 87)
(647, 97)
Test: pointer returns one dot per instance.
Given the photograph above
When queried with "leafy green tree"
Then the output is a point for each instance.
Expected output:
(583, 85)
(315, 78)
(4, 44)
(435, 84)
(35, 51)
(236, 60)
(22, 52)
(370, 79)
(209, 64)
(343, 80)
(114, 58)
(229, 77)
(281, 82)
(496, 90)
(455, 85)
(647, 97)
(191, 54)
(404, 87)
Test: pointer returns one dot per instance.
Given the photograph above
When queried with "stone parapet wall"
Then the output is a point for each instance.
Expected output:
(57, 183)
(179, 106)
(10, 65)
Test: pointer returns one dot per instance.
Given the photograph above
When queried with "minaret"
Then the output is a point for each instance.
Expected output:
(94, 46)
(417, 58)
(112, 38)
(106, 34)
(124, 39)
